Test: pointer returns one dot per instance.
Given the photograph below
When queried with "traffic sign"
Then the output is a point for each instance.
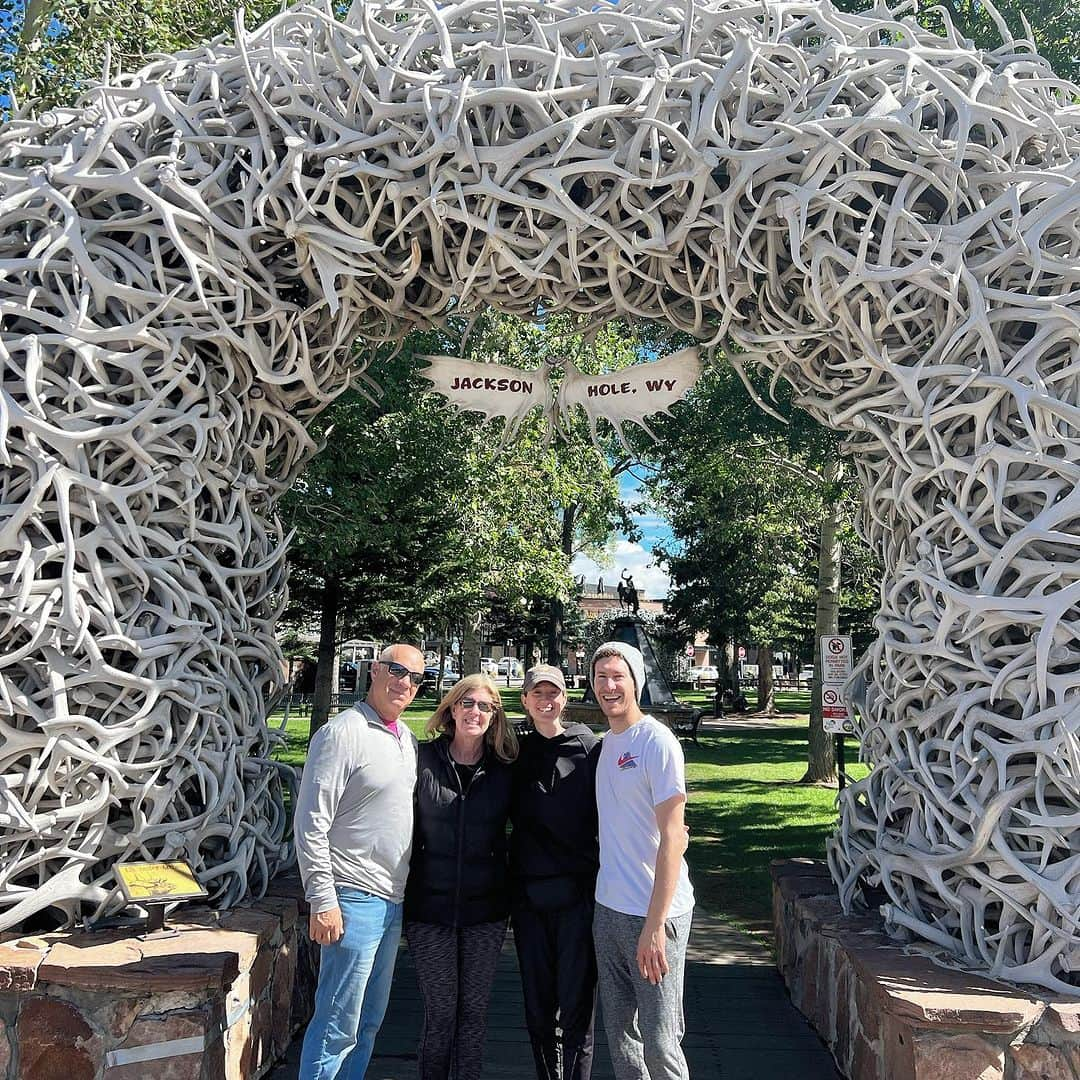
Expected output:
(835, 659)
(742, 652)
(836, 668)
(689, 650)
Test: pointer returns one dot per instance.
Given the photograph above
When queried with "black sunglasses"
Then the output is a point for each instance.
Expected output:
(399, 671)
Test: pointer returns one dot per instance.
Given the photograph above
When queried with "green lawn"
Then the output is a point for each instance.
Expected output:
(745, 806)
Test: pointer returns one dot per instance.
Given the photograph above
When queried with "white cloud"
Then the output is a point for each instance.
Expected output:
(651, 581)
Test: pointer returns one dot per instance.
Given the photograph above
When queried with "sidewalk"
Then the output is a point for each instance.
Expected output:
(740, 1024)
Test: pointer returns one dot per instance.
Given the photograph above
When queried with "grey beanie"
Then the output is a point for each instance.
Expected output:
(634, 661)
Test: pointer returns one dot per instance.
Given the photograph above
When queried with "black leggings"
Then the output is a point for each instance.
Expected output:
(455, 969)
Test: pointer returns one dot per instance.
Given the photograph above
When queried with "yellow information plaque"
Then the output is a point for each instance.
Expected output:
(158, 882)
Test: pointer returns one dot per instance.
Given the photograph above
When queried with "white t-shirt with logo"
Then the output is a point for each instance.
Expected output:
(639, 768)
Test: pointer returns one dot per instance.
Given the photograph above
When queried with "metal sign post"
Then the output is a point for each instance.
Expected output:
(836, 716)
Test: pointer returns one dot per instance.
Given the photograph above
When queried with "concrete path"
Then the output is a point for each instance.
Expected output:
(740, 1024)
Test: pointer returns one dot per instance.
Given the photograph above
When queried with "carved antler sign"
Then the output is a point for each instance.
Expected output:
(626, 396)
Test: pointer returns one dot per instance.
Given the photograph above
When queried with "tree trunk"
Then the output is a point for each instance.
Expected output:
(555, 631)
(821, 756)
(557, 611)
(325, 667)
(765, 697)
(442, 665)
(724, 675)
(470, 644)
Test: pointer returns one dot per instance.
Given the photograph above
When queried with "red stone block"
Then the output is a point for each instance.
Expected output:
(1064, 1016)
(196, 960)
(153, 1034)
(924, 994)
(866, 1063)
(55, 1042)
(897, 1049)
(5, 1049)
(281, 994)
(844, 1017)
(283, 908)
(19, 963)
(799, 888)
(804, 989)
(781, 868)
(261, 972)
(824, 1016)
(258, 1051)
(867, 1007)
(1030, 1062)
(957, 1057)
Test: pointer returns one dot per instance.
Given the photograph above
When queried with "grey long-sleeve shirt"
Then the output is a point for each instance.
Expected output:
(354, 811)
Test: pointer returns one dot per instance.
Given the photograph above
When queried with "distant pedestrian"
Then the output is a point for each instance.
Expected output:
(353, 825)
(457, 899)
(554, 856)
(644, 901)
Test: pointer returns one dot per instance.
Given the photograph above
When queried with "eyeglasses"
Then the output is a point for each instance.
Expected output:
(471, 703)
(399, 671)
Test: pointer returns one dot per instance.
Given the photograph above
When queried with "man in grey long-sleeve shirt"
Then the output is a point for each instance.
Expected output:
(353, 828)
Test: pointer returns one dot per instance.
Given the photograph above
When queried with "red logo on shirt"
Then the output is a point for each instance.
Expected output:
(627, 760)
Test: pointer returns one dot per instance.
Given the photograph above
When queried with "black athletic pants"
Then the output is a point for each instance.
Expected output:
(455, 969)
(558, 977)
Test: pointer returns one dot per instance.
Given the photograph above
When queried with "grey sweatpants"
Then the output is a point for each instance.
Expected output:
(644, 1023)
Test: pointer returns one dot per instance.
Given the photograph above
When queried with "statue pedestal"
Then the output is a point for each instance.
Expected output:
(888, 1012)
(219, 998)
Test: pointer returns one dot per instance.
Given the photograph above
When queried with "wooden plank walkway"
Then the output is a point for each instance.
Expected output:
(740, 1024)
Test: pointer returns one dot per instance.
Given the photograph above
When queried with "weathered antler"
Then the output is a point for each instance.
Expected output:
(887, 218)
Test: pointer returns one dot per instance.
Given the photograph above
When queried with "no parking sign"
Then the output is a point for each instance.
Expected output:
(836, 667)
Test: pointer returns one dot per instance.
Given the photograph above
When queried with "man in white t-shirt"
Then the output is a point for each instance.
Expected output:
(644, 901)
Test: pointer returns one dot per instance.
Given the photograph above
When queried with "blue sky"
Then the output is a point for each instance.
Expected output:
(650, 580)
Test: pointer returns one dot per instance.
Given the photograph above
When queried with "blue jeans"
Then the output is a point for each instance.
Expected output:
(354, 987)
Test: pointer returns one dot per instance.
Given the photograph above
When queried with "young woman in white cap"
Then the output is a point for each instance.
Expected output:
(554, 856)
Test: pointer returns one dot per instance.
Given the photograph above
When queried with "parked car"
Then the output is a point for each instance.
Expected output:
(705, 674)
(431, 679)
(806, 674)
(489, 665)
(512, 666)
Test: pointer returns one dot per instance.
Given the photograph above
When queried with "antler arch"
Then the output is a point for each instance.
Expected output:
(886, 218)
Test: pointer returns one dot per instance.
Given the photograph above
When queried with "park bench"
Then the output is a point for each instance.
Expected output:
(683, 720)
(787, 683)
(684, 723)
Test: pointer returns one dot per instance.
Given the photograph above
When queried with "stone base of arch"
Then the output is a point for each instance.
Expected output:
(219, 996)
(890, 1011)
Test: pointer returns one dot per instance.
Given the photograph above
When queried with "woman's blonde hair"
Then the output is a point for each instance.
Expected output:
(499, 735)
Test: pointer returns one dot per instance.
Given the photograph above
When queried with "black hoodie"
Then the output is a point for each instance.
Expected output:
(554, 850)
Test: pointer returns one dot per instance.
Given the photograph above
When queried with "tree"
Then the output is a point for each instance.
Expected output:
(1055, 27)
(757, 511)
(373, 514)
(415, 515)
(579, 479)
(55, 47)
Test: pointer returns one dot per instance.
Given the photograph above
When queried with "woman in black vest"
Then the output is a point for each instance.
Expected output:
(456, 899)
(554, 857)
